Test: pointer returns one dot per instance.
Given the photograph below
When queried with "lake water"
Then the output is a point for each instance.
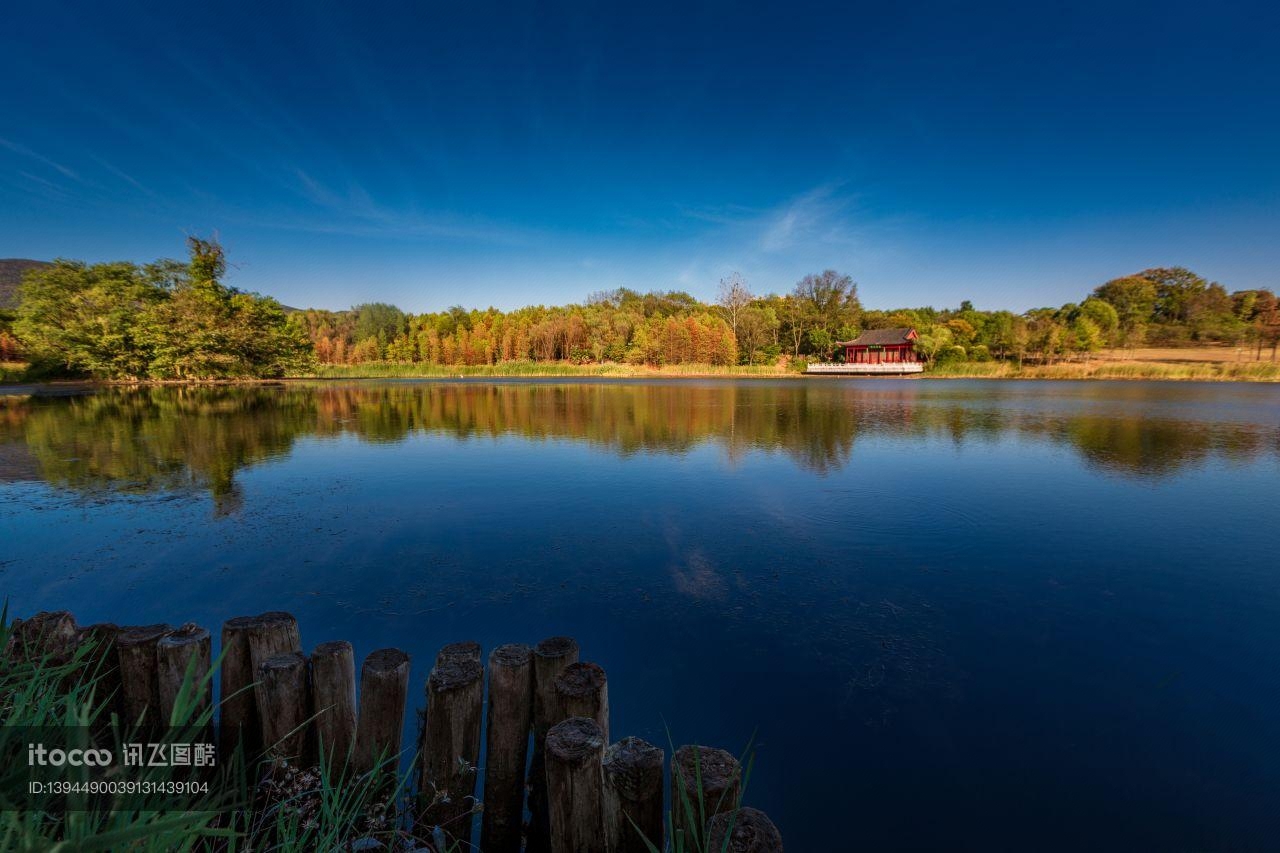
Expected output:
(961, 615)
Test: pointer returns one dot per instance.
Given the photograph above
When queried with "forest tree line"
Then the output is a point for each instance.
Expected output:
(1162, 307)
(172, 320)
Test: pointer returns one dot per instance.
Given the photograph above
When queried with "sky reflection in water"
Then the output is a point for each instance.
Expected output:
(970, 614)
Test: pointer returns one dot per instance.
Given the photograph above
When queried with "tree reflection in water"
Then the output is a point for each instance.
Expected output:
(184, 438)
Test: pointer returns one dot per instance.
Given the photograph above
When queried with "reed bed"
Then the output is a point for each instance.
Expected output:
(397, 370)
(1183, 372)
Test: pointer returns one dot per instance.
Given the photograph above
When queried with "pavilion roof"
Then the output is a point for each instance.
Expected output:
(879, 337)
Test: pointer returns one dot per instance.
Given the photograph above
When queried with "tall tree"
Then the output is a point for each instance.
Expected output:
(830, 301)
(1134, 298)
(206, 330)
(733, 297)
(1176, 289)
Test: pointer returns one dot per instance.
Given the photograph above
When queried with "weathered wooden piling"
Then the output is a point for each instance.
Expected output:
(507, 747)
(174, 654)
(285, 704)
(584, 795)
(464, 649)
(633, 796)
(49, 634)
(744, 830)
(333, 701)
(246, 642)
(582, 690)
(721, 778)
(451, 745)
(384, 690)
(550, 657)
(136, 650)
(575, 748)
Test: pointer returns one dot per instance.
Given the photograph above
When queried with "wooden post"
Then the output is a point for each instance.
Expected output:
(451, 745)
(103, 663)
(507, 747)
(465, 649)
(633, 795)
(51, 634)
(721, 777)
(746, 830)
(247, 641)
(384, 690)
(333, 700)
(136, 650)
(575, 795)
(550, 657)
(285, 707)
(582, 690)
(174, 652)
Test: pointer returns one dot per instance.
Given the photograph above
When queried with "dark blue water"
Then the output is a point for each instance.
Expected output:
(962, 615)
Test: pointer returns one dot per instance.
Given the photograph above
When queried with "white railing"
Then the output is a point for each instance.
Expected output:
(890, 367)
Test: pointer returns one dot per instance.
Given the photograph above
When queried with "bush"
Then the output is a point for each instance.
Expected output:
(954, 353)
(979, 353)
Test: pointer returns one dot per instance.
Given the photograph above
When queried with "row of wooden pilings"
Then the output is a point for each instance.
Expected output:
(584, 793)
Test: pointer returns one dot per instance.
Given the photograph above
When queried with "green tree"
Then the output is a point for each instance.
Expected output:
(374, 318)
(78, 319)
(1134, 298)
(757, 326)
(1086, 336)
(1103, 315)
(829, 301)
(206, 330)
(1176, 288)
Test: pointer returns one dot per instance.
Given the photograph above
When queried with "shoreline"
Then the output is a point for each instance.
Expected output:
(84, 385)
(1096, 370)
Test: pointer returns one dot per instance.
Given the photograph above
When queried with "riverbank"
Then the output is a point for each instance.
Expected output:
(1189, 364)
(1195, 365)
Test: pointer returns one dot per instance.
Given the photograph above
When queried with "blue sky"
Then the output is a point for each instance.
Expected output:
(428, 154)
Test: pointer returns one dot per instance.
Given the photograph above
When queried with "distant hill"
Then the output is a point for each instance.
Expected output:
(11, 271)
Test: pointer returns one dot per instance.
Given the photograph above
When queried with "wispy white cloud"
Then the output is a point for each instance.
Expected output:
(355, 212)
(820, 215)
(773, 246)
(123, 175)
(24, 151)
(43, 183)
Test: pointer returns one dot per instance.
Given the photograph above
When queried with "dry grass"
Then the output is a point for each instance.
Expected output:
(387, 370)
(1206, 353)
(1187, 371)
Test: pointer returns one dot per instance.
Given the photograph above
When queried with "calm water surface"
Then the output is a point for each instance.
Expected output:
(963, 615)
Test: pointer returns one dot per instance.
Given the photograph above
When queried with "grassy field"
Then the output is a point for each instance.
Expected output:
(1188, 355)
